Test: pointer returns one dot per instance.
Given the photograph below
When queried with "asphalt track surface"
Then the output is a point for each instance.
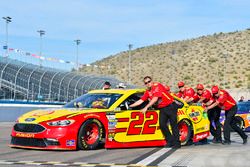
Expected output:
(206, 155)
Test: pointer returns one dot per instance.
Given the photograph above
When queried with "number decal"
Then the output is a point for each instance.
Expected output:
(147, 128)
(136, 126)
(133, 130)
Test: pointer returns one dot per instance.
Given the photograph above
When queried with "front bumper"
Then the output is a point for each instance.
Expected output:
(61, 138)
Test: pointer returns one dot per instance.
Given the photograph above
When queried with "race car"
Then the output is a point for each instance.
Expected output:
(242, 117)
(103, 117)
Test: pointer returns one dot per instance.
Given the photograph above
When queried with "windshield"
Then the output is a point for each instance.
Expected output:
(94, 100)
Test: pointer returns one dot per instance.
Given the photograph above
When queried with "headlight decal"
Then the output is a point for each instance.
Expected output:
(61, 123)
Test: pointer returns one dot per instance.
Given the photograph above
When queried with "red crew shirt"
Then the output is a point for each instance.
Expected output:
(158, 90)
(206, 94)
(189, 92)
(226, 101)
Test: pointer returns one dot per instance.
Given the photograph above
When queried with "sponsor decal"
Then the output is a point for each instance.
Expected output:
(180, 112)
(200, 129)
(111, 125)
(29, 119)
(70, 142)
(111, 136)
(41, 113)
(195, 116)
(111, 117)
(26, 135)
(201, 136)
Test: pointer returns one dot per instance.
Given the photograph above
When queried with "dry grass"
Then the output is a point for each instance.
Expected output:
(200, 60)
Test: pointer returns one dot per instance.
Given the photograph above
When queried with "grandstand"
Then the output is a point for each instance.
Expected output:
(19, 80)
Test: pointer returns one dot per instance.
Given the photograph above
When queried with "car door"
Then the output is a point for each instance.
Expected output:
(134, 126)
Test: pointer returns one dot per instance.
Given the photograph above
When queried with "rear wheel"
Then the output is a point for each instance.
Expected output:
(239, 122)
(185, 130)
(90, 135)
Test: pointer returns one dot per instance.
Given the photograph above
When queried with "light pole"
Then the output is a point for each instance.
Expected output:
(77, 41)
(8, 20)
(41, 32)
(129, 63)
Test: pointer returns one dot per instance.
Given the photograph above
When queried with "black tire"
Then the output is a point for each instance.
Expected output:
(90, 135)
(239, 122)
(185, 130)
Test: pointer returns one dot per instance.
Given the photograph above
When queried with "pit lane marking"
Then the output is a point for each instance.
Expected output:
(51, 163)
(154, 157)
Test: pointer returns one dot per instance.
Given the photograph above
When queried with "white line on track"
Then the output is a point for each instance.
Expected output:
(154, 156)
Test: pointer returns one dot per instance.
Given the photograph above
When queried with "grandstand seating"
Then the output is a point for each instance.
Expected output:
(19, 80)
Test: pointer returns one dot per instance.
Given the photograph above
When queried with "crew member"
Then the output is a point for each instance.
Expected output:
(106, 85)
(225, 101)
(186, 93)
(159, 96)
(205, 97)
(181, 87)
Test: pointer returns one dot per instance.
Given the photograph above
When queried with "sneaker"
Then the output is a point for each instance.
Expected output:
(226, 142)
(245, 140)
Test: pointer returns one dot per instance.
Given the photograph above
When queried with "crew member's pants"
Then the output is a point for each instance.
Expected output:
(231, 122)
(169, 113)
(214, 118)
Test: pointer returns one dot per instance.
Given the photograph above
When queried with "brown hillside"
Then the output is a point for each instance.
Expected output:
(202, 60)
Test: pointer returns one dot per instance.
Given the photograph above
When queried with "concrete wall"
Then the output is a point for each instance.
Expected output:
(10, 112)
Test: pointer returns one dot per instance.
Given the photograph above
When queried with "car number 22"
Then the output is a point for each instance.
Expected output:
(143, 123)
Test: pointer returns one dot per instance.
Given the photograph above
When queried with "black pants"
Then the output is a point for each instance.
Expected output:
(169, 113)
(214, 119)
(231, 122)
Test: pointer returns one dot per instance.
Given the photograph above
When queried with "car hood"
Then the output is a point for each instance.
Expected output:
(42, 115)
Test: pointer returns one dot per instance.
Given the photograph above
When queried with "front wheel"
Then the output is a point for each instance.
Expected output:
(90, 135)
(185, 130)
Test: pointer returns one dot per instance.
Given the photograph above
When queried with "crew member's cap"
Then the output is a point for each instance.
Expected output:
(199, 87)
(215, 89)
(181, 83)
(121, 85)
(107, 83)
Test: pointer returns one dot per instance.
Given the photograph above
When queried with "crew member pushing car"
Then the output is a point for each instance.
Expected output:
(186, 93)
(205, 97)
(225, 101)
(160, 97)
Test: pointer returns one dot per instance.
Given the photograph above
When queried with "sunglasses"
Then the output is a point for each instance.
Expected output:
(180, 87)
(199, 89)
(147, 82)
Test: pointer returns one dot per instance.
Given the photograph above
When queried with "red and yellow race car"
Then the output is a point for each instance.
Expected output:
(104, 117)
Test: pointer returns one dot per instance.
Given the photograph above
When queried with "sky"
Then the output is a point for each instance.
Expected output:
(106, 27)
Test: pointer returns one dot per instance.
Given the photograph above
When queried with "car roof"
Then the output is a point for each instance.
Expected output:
(118, 91)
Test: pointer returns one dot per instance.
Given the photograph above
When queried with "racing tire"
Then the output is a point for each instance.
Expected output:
(185, 130)
(239, 122)
(90, 135)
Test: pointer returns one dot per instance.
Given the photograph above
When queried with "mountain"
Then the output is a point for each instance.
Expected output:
(221, 58)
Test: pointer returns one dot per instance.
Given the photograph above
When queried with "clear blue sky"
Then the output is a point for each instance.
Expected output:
(106, 27)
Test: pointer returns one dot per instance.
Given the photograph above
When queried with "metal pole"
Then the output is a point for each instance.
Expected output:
(129, 63)
(8, 20)
(78, 41)
(41, 32)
